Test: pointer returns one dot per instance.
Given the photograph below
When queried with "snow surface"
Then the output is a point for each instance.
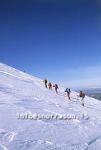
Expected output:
(21, 93)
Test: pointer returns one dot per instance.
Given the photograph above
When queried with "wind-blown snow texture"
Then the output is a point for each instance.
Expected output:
(22, 93)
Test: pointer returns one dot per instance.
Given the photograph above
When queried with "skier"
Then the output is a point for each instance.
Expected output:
(68, 91)
(45, 81)
(82, 95)
(56, 88)
(50, 85)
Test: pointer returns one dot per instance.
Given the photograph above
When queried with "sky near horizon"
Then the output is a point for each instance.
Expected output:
(55, 39)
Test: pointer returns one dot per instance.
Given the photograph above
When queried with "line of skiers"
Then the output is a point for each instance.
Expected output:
(50, 86)
(68, 91)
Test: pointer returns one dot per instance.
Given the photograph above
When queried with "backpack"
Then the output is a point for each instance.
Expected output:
(56, 86)
(49, 84)
(45, 81)
(67, 90)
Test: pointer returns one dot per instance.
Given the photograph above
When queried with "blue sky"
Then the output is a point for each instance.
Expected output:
(59, 40)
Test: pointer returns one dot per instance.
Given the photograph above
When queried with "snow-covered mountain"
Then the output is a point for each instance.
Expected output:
(22, 94)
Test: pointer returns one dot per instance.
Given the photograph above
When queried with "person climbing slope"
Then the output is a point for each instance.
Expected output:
(45, 81)
(68, 91)
(56, 88)
(82, 95)
(50, 86)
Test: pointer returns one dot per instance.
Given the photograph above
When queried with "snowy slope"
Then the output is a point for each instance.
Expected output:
(21, 93)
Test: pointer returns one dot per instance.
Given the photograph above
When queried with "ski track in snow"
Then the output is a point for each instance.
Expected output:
(10, 136)
(2, 147)
(22, 93)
